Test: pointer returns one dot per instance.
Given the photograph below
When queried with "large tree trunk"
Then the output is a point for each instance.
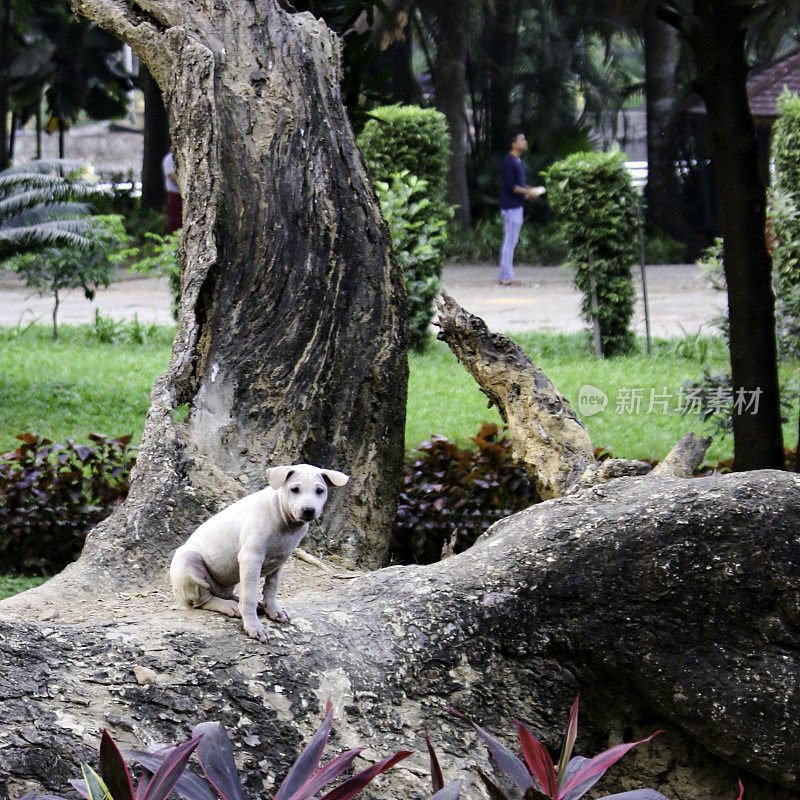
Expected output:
(290, 342)
(5, 79)
(662, 192)
(156, 143)
(450, 82)
(668, 603)
(717, 36)
(501, 47)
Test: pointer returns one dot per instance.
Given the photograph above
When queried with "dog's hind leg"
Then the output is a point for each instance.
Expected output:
(228, 607)
(194, 586)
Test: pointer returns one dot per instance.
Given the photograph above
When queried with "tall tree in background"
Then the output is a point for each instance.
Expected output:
(5, 79)
(716, 30)
(500, 44)
(73, 63)
(447, 25)
(156, 142)
(663, 190)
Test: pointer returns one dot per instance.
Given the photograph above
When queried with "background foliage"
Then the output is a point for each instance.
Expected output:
(406, 151)
(450, 496)
(417, 240)
(52, 494)
(401, 137)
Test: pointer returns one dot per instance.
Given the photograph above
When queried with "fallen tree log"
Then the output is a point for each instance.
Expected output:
(668, 604)
(548, 438)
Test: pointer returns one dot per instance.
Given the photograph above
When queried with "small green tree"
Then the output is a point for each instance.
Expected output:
(54, 269)
(162, 260)
(596, 206)
(406, 150)
(784, 221)
(418, 239)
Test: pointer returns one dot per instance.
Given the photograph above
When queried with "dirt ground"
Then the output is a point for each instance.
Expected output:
(547, 300)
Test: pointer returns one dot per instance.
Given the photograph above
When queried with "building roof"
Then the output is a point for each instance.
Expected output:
(764, 86)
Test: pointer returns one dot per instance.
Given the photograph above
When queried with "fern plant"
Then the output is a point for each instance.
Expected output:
(41, 205)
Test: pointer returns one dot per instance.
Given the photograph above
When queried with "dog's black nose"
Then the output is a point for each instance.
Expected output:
(308, 513)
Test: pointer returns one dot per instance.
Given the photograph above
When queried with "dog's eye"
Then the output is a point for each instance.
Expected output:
(320, 490)
(295, 489)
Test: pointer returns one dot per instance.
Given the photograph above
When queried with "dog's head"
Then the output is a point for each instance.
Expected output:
(303, 489)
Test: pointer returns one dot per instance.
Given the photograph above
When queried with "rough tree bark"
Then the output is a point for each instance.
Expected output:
(290, 345)
(546, 434)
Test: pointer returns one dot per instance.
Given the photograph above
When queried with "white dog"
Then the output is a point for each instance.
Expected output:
(251, 538)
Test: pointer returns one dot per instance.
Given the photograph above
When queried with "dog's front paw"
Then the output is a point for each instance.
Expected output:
(257, 630)
(275, 611)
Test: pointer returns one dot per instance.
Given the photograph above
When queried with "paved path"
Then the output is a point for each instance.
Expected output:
(547, 300)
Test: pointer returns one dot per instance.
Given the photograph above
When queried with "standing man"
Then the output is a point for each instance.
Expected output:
(513, 194)
(174, 201)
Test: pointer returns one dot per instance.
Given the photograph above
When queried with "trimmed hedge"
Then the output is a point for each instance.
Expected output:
(595, 203)
(418, 239)
(411, 138)
(786, 144)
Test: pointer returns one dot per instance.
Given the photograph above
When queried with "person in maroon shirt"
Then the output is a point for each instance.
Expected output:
(174, 200)
(513, 193)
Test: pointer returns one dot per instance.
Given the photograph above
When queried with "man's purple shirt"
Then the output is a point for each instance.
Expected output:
(512, 174)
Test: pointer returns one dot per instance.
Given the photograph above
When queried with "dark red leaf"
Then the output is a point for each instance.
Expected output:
(114, 770)
(539, 761)
(215, 755)
(167, 775)
(437, 779)
(569, 742)
(328, 773)
(600, 763)
(352, 786)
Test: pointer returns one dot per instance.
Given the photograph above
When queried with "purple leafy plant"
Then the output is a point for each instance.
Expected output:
(538, 777)
(115, 782)
(305, 778)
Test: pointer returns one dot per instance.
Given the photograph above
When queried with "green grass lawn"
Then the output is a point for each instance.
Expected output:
(80, 385)
(10, 585)
(76, 385)
(444, 399)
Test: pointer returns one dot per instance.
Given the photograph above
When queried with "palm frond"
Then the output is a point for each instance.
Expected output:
(79, 212)
(40, 207)
(51, 166)
(61, 233)
(35, 198)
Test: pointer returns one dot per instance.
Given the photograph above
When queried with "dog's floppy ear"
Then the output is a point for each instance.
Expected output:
(335, 478)
(277, 476)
